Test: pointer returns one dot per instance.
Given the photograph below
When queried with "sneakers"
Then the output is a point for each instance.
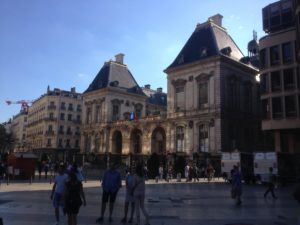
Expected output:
(110, 219)
(130, 220)
(124, 220)
(99, 220)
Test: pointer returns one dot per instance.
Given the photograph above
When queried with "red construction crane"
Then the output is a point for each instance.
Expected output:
(24, 104)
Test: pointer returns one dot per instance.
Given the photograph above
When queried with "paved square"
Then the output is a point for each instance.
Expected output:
(184, 203)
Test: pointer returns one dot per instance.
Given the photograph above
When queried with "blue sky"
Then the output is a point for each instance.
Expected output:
(64, 43)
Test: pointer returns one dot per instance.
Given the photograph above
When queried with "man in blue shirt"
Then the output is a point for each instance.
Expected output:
(111, 184)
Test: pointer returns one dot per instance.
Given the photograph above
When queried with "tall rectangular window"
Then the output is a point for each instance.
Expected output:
(49, 142)
(288, 78)
(264, 83)
(290, 106)
(203, 138)
(287, 54)
(262, 58)
(115, 112)
(203, 94)
(265, 107)
(69, 117)
(276, 81)
(179, 98)
(277, 107)
(62, 116)
(274, 55)
(179, 139)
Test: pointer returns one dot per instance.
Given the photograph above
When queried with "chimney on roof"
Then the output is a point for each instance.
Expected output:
(159, 90)
(119, 58)
(216, 19)
(147, 86)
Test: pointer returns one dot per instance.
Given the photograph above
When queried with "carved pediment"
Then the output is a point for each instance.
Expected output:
(179, 82)
(204, 76)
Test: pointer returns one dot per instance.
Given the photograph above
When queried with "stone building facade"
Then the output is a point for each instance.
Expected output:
(18, 128)
(54, 123)
(119, 119)
(213, 95)
(211, 104)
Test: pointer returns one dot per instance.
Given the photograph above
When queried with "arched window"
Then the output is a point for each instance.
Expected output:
(179, 139)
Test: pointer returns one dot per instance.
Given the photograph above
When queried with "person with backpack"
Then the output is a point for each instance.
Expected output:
(74, 198)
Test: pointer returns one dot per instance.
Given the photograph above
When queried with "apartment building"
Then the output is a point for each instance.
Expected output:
(54, 121)
(18, 129)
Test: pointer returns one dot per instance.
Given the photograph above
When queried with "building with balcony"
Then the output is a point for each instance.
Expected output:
(211, 105)
(279, 77)
(54, 122)
(119, 118)
(213, 94)
(18, 129)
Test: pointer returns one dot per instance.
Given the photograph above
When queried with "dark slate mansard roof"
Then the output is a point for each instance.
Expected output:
(114, 74)
(208, 39)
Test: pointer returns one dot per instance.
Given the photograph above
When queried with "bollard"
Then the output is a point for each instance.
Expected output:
(156, 179)
(30, 181)
(51, 179)
(7, 181)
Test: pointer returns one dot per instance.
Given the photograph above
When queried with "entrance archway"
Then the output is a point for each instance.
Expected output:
(158, 141)
(136, 141)
(117, 142)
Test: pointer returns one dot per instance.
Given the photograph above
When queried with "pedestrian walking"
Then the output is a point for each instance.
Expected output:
(161, 172)
(129, 200)
(139, 188)
(40, 169)
(237, 185)
(271, 184)
(57, 192)
(111, 184)
(46, 169)
(74, 198)
(186, 172)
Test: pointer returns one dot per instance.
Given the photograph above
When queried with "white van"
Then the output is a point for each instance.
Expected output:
(262, 162)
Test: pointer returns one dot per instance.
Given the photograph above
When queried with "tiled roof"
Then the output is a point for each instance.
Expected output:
(207, 40)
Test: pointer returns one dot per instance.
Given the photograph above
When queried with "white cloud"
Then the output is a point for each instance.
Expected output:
(82, 75)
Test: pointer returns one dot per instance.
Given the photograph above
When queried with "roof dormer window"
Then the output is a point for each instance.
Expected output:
(203, 52)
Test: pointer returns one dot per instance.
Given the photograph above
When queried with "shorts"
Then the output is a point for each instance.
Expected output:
(58, 200)
(109, 195)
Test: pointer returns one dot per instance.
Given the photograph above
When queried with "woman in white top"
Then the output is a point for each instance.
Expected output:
(139, 193)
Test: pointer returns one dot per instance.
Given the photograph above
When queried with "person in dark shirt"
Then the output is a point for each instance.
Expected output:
(111, 184)
(271, 184)
(74, 197)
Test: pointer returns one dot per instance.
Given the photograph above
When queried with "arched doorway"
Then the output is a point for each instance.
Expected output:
(136, 141)
(158, 141)
(117, 142)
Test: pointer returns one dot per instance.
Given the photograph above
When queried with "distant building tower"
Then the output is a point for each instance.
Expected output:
(253, 50)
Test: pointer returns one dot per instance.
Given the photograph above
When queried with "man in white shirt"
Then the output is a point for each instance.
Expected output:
(57, 191)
